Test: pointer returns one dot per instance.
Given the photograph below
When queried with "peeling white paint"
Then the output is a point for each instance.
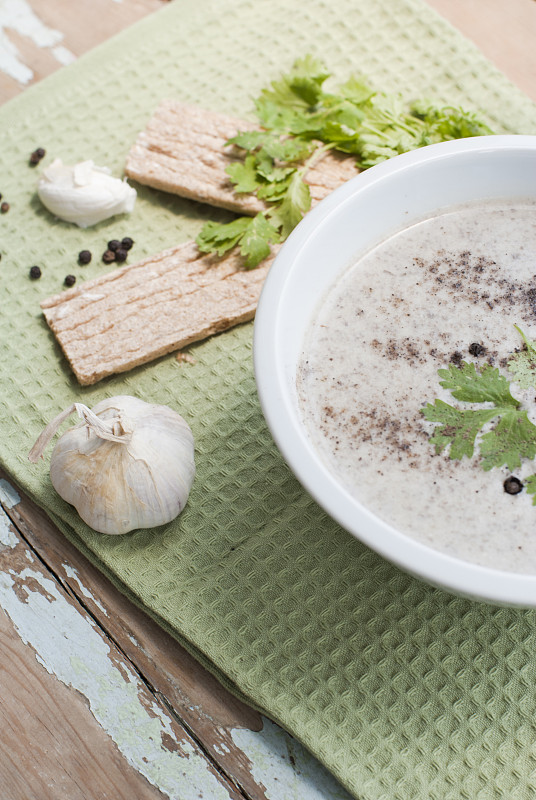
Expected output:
(8, 495)
(286, 769)
(72, 573)
(18, 16)
(8, 538)
(63, 55)
(72, 649)
(69, 646)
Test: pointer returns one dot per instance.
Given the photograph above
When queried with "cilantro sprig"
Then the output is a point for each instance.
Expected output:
(511, 436)
(298, 121)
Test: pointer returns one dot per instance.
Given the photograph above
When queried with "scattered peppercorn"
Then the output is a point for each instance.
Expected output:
(512, 485)
(36, 156)
(121, 255)
(4, 208)
(477, 349)
(70, 280)
(35, 273)
(114, 245)
(108, 256)
(84, 257)
(456, 358)
(127, 243)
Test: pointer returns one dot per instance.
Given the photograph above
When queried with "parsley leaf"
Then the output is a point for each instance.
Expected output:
(295, 203)
(459, 427)
(219, 238)
(301, 88)
(249, 140)
(253, 235)
(243, 174)
(445, 123)
(512, 438)
(485, 385)
(298, 119)
(256, 240)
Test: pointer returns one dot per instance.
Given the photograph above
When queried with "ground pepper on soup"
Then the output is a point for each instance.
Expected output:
(443, 291)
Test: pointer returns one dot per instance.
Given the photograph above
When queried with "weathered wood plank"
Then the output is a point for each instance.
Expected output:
(504, 31)
(81, 722)
(259, 757)
(51, 746)
(41, 36)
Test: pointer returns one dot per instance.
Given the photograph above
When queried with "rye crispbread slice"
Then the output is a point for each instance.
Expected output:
(182, 150)
(142, 311)
(146, 310)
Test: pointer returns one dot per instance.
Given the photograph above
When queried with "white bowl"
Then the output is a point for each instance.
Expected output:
(331, 237)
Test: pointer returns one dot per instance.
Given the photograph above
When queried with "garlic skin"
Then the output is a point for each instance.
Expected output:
(84, 194)
(128, 465)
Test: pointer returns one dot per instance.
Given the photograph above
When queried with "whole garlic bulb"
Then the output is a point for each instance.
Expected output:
(84, 193)
(129, 464)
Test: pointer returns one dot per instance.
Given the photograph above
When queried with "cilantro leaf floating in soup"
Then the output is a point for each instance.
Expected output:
(449, 462)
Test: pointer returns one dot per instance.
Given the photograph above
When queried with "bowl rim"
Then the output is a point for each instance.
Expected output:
(440, 569)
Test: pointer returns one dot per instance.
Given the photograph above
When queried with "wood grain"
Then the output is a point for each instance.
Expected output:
(505, 31)
(54, 745)
(198, 700)
(52, 748)
(74, 26)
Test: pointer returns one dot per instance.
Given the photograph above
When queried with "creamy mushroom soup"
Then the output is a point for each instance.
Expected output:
(446, 289)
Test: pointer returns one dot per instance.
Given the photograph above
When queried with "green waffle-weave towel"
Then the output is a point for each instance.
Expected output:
(403, 691)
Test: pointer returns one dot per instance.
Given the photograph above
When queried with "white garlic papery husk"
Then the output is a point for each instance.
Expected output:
(129, 464)
(84, 193)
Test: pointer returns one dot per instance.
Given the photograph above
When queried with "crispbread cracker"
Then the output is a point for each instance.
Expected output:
(142, 311)
(182, 150)
(137, 313)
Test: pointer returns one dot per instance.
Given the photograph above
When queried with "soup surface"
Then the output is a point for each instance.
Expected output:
(412, 305)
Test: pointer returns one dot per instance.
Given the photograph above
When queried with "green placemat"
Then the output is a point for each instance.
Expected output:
(403, 691)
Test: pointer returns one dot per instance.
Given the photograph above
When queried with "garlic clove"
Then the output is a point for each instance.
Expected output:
(84, 194)
(129, 464)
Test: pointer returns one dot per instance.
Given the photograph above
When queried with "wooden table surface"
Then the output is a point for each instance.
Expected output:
(96, 701)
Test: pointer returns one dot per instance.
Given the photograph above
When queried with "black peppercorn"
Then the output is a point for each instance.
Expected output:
(84, 257)
(35, 273)
(114, 245)
(121, 255)
(127, 243)
(108, 256)
(70, 280)
(512, 485)
(477, 349)
(4, 208)
(36, 156)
